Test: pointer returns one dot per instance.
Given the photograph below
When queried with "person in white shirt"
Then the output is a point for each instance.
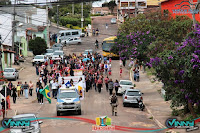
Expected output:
(54, 88)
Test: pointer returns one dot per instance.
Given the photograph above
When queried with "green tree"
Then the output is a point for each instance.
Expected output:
(111, 5)
(38, 45)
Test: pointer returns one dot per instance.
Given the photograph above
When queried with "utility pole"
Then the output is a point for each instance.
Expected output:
(135, 8)
(82, 19)
(1, 69)
(57, 17)
(13, 27)
(47, 23)
(73, 8)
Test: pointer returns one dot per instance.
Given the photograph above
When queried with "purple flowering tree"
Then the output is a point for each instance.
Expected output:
(134, 45)
(179, 70)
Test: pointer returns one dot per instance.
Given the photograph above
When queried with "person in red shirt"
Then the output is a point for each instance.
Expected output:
(106, 82)
(51, 63)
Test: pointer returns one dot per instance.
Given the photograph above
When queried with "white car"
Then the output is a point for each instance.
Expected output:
(57, 54)
(34, 125)
(39, 59)
(70, 41)
(49, 53)
(11, 73)
(86, 52)
(68, 100)
(124, 85)
(113, 21)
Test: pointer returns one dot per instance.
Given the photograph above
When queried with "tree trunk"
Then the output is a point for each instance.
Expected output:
(190, 106)
(186, 109)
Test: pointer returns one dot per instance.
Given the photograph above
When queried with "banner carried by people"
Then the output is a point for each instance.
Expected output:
(46, 93)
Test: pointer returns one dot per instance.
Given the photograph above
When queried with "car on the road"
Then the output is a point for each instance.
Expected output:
(71, 41)
(49, 53)
(60, 45)
(68, 100)
(82, 34)
(125, 84)
(113, 21)
(57, 54)
(86, 52)
(130, 97)
(56, 48)
(39, 59)
(34, 124)
(11, 73)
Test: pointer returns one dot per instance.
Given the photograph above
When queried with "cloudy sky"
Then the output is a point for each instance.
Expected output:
(95, 4)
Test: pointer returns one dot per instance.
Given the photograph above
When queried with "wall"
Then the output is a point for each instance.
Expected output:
(24, 46)
(170, 6)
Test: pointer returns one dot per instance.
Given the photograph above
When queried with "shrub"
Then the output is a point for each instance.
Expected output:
(38, 46)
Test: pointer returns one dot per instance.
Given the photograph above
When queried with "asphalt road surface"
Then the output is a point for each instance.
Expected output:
(94, 104)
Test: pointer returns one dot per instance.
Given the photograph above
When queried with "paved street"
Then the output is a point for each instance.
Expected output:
(94, 104)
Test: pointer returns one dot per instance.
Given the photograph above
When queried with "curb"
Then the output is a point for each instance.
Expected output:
(149, 111)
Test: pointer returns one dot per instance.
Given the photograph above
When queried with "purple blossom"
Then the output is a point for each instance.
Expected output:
(195, 56)
(182, 81)
(176, 43)
(182, 90)
(148, 32)
(181, 72)
(170, 57)
(195, 66)
(192, 60)
(176, 81)
(197, 51)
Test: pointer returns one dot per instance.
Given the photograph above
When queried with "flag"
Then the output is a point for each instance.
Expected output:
(8, 91)
(46, 93)
(80, 89)
(68, 84)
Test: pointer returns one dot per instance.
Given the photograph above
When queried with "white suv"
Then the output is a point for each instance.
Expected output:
(57, 53)
(70, 41)
(39, 59)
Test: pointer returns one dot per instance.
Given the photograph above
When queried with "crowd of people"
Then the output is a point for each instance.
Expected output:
(96, 69)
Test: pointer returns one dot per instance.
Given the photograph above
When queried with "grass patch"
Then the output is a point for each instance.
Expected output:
(151, 118)
(150, 71)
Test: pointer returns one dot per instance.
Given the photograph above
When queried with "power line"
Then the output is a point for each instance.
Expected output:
(23, 16)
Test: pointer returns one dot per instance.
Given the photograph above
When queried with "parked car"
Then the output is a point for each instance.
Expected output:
(57, 45)
(39, 59)
(34, 125)
(86, 52)
(113, 21)
(82, 34)
(49, 53)
(68, 100)
(56, 48)
(11, 73)
(57, 53)
(125, 84)
(70, 41)
(130, 97)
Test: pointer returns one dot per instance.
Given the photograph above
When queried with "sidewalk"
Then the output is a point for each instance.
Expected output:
(155, 105)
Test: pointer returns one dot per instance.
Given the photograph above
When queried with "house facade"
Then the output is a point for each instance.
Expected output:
(180, 7)
(26, 17)
(128, 7)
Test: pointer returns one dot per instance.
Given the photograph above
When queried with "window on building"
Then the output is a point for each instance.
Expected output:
(124, 4)
(166, 12)
(141, 4)
(132, 4)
